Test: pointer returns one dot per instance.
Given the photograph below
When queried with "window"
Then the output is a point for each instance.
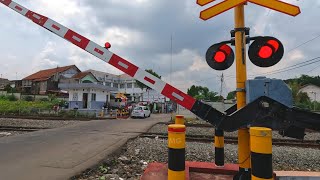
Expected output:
(136, 85)
(129, 85)
(75, 97)
(115, 85)
(108, 84)
(93, 97)
(121, 86)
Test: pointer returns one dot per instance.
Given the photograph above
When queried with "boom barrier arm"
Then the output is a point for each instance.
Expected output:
(198, 108)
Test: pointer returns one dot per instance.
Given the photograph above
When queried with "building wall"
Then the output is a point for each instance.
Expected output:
(70, 72)
(312, 91)
(101, 98)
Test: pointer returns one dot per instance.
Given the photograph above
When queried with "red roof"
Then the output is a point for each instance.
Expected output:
(48, 73)
(80, 75)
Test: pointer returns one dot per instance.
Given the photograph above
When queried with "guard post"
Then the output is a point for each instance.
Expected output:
(219, 147)
(176, 151)
(261, 153)
(179, 119)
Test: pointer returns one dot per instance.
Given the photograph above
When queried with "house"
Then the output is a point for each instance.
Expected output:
(46, 81)
(3, 83)
(124, 83)
(313, 91)
(86, 92)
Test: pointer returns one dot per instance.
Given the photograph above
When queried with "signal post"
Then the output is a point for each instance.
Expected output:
(241, 77)
(265, 49)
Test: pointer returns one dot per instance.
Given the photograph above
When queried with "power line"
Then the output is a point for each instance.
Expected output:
(293, 67)
(306, 42)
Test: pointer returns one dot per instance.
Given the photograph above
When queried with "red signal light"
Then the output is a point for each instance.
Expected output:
(220, 56)
(266, 51)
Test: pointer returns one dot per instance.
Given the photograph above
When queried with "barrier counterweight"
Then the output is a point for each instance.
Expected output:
(176, 151)
(261, 153)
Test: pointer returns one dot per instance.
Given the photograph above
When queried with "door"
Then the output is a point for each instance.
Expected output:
(85, 100)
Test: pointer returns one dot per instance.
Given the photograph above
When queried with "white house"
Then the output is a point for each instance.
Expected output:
(313, 92)
(85, 92)
(124, 84)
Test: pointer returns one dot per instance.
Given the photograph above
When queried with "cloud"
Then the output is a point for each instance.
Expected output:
(141, 31)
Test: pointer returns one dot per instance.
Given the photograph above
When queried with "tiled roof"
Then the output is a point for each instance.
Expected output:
(80, 75)
(46, 74)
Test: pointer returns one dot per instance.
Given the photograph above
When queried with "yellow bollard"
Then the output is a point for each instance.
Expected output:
(219, 147)
(261, 153)
(179, 119)
(176, 151)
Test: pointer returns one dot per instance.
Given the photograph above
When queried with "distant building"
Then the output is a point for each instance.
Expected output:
(46, 81)
(153, 96)
(124, 84)
(313, 92)
(85, 91)
(3, 83)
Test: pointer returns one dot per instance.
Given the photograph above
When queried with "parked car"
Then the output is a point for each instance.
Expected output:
(141, 111)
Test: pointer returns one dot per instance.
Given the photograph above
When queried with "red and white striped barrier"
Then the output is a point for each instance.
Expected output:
(202, 110)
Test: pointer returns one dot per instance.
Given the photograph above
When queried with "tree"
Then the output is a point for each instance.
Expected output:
(300, 99)
(143, 86)
(231, 95)
(203, 93)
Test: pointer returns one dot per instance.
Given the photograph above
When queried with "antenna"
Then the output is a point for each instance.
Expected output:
(171, 59)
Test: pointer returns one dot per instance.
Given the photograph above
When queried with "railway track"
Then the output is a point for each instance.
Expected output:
(208, 125)
(25, 129)
(234, 140)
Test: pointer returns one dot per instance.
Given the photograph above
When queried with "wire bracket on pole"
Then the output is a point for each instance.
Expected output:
(240, 90)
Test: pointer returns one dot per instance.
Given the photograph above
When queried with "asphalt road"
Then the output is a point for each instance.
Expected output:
(64, 152)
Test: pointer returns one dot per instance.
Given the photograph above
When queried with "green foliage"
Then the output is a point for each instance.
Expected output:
(143, 86)
(304, 80)
(231, 95)
(18, 107)
(28, 98)
(203, 93)
(300, 99)
(44, 99)
(12, 98)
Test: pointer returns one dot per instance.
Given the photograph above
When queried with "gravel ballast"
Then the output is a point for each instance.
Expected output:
(35, 123)
(137, 153)
(207, 131)
(29, 123)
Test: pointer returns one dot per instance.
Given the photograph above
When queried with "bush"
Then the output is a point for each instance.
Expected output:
(44, 99)
(28, 98)
(12, 98)
(3, 97)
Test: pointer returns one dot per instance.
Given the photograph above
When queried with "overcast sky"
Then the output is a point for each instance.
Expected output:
(141, 30)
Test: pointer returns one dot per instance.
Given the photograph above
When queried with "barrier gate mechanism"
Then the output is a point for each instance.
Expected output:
(263, 111)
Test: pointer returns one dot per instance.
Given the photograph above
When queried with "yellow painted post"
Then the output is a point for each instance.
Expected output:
(176, 151)
(179, 119)
(261, 153)
(219, 147)
(241, 73)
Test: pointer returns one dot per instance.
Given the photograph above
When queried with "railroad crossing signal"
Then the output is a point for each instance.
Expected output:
(266, 51)
(220, 56)
(225, 5)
